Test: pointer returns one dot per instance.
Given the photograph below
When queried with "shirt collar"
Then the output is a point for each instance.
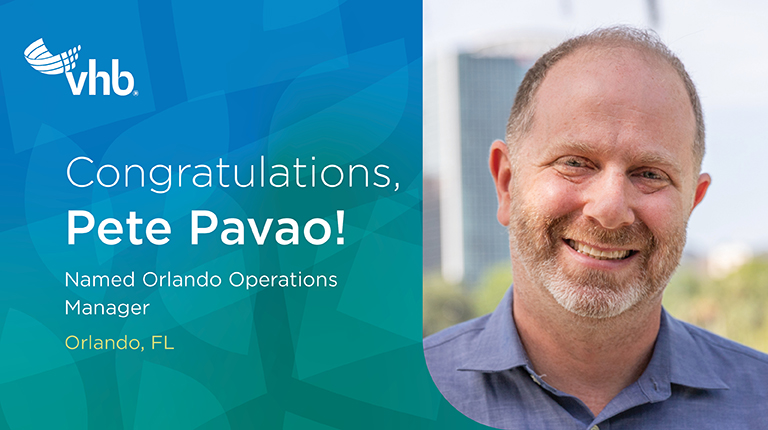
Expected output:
(677, 358)
(689, 364)
(498, 346)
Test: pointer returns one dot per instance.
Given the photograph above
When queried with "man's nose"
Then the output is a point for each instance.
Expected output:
(608, 201)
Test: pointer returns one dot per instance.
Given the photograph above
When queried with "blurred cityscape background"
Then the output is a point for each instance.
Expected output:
(475, 55)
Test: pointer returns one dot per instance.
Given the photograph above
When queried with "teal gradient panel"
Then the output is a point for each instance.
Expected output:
(318, 104)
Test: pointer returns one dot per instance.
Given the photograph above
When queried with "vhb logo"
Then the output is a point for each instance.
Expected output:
(40, 59)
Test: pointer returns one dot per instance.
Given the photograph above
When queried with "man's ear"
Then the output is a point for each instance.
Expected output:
(701, 189)
(501, 170)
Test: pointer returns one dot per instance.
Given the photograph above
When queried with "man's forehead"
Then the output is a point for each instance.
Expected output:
(634, 73)
(593, 88)
(617, 53)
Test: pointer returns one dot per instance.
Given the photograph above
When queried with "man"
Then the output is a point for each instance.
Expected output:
(596, 183)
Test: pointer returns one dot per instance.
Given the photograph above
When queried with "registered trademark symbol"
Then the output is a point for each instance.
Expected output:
(135, 93)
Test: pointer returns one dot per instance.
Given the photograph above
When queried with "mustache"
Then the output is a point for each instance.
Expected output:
(636, 236)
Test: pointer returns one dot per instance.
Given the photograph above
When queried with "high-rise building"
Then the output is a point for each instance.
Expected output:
(468, 97)
(431, 224)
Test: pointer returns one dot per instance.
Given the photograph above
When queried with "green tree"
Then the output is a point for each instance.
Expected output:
(493, 284)
(735, 306)
(445, 304)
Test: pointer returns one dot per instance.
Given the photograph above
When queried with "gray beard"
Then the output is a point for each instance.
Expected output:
(593, 293)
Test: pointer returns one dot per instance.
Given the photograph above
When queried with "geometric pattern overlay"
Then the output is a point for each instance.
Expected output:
(232, 81)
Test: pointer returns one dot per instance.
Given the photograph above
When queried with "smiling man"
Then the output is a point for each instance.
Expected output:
(597, 180)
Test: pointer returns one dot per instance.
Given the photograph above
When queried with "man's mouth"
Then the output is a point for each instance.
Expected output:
(597, 254)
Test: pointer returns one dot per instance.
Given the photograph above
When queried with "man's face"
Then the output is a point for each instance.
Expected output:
(604, 182)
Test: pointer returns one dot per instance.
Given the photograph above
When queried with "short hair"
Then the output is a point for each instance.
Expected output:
(521, 117)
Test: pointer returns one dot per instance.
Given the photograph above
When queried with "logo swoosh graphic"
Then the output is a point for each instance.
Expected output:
(40, 59)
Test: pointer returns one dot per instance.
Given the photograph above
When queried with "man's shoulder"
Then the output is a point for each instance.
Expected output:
(447, 353)
(451, 349)
(727, 346)
(727, 354)
(456, 336)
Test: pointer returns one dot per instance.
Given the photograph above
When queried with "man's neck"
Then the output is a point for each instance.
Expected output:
(591, 359)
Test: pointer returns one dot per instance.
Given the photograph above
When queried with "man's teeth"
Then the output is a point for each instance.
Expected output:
(594, 253)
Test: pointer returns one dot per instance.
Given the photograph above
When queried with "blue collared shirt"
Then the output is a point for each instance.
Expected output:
(695, 380)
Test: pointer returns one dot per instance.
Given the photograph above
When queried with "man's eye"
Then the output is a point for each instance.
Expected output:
(573, 167)
(649, 174)
(574, 162)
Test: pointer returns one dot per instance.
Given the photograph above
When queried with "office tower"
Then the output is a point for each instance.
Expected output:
(468, 97)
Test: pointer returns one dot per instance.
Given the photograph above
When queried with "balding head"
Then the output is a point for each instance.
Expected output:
(609, 39)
